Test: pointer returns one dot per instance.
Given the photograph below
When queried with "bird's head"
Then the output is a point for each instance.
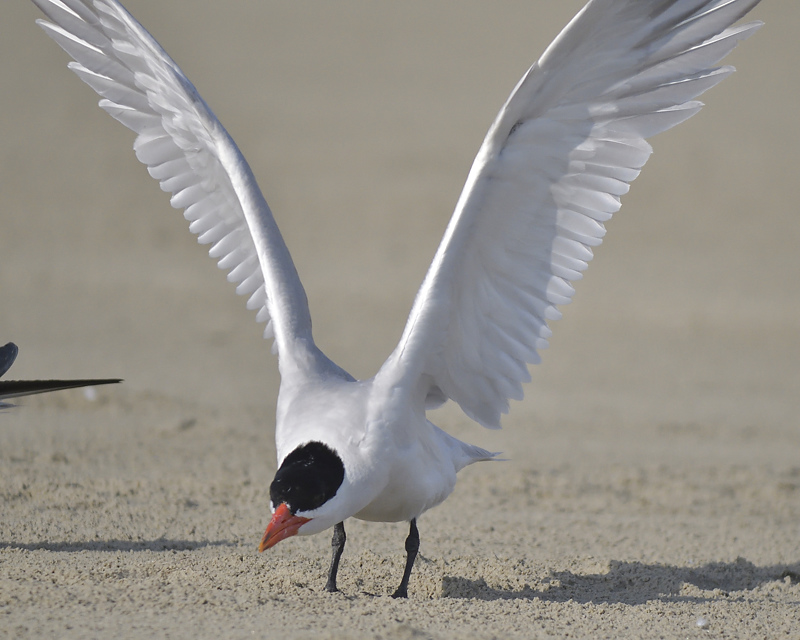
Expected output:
(306, 480)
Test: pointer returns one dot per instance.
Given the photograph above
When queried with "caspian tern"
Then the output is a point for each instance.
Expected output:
(18, 388)
(551, 170)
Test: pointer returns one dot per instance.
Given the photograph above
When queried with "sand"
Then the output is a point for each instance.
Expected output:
(653, 486)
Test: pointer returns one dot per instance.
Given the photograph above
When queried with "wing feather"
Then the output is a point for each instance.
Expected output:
(188, 151)
(551, 171)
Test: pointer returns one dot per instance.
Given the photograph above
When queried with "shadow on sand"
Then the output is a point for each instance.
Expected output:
(632, 583)
(161, 544)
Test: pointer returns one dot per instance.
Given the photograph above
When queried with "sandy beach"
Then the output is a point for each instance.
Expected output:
(653, 482)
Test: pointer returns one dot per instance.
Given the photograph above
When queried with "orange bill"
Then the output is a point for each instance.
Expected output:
(283, 525)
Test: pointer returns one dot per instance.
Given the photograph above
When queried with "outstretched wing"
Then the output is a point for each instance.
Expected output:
(563, 149)
(188, 151)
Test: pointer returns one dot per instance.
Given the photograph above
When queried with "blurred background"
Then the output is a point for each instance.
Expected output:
(360, 121)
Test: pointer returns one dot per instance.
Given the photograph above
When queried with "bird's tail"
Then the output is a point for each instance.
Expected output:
(476, 454)
(465, 454)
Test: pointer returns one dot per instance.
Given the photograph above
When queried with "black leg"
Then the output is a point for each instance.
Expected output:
(337, 543)
(412, 547)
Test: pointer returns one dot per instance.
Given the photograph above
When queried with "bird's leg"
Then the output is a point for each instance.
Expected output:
(412, 547)
(337, 544)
